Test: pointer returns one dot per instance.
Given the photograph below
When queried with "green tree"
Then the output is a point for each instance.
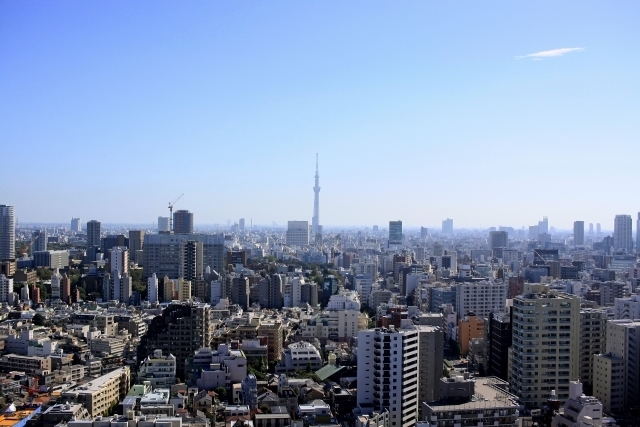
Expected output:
(38, 319)
(44, 273)
(221, 392)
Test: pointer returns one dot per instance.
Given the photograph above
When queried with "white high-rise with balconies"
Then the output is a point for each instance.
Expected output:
(546, 344)
(481, 298)
(152, 288)
(388, 372)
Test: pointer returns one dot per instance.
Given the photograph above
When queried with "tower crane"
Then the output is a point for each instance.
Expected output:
(171, 211)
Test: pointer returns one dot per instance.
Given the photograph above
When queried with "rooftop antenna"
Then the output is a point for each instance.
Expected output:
(171, 211)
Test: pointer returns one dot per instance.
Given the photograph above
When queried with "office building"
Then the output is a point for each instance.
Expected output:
(395, 233)
(578, 233)
(499, 337)
(39, 241)
(76, 226)
(498, 239)
(182, 222)
(543, 226)
(136, 240)
(7, 233)
(51, 259)
(241, 225)
(161, 254)
(481, 298)
(298, 233)
(164, 224)
(388, 368)
(447, 227)
(181, 330)
(424, 232)
(93, 234)
(111, 241)
(546, 344)
(622, 234)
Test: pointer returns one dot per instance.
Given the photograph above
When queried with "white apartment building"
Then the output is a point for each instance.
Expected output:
(388, 372)
(6, 288)
(158, 369)
(579, 410)
(119, 260)
(299, 355)
(344, 300)
(152, 288)
(56, 285)
(335, 325)
(296, 290)
(546, 344)
(627, 308)
(362, 285)
(481, 298)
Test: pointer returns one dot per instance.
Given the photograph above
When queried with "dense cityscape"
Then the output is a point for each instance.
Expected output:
(269, 327)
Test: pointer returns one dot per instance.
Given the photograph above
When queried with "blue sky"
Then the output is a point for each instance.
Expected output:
(419, 111)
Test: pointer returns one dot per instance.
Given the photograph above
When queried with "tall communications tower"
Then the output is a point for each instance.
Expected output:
(315, 221)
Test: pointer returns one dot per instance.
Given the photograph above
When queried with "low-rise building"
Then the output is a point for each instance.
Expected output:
(159, 370)
(299, 355)
(579, 410)
(99, 394)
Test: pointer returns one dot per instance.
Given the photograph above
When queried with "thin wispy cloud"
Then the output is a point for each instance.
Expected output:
(551, 53)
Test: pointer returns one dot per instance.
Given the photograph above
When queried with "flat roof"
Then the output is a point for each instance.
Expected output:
(488, 394)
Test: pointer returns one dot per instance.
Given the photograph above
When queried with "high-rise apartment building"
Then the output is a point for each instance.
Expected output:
(388, 371)
(136, 240)
(241, 225)
(498, 239)
(152, 288)
(240, 291)
(76, 226)
(593, 326)
(591, 229)
(161, 253)
(56, 285)
(190, 258)
(7, 232)
(578, 233)
(39, 241)
(395, 232)
(430, 359)
(447, 227)
(271, 292)
(119, 260)
(622, 234)
(546, 344)
(93, 234)
(499, 337)
(182, 222)
(617, 372)
(182, 329)
(298, 233)
(6, 288)
(164, 224)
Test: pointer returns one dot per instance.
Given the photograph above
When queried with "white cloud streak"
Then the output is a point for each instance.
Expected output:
(551, 53)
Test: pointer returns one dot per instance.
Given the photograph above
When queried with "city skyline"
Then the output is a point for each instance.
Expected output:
(489, 119)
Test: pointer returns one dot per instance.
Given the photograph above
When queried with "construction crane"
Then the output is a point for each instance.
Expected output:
(171, 211)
